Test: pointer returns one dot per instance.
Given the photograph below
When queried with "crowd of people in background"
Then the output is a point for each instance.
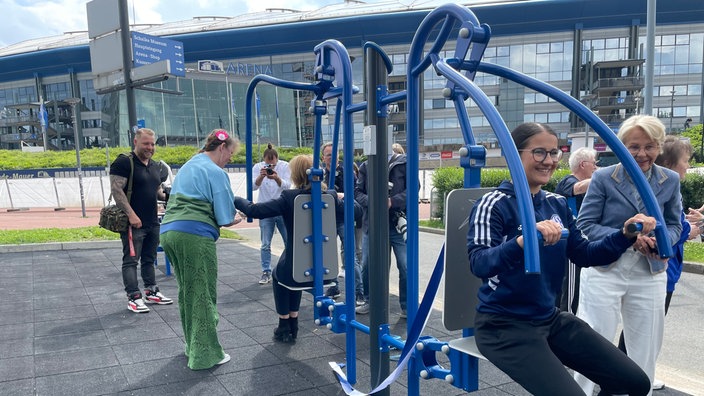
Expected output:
(623, 281)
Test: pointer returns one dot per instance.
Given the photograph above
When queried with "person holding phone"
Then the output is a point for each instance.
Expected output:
(273, 176)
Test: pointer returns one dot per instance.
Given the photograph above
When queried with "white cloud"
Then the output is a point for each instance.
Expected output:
(33, 19)
(29, 19)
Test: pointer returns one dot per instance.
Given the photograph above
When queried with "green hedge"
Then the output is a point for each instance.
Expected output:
(448, 179)
(96, 157)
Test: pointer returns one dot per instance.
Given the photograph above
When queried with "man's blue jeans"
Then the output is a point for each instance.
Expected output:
(145, 242)
(266, 228)
(357, 265)
(398, 245)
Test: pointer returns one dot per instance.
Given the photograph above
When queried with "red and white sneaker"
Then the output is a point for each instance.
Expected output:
(155, 296)
(136, 304)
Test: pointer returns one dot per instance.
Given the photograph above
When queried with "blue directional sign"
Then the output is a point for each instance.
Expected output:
(147, 49)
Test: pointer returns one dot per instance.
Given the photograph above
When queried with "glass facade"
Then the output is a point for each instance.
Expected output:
(281, 116)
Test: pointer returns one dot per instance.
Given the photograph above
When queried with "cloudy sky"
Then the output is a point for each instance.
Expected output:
(27, 19)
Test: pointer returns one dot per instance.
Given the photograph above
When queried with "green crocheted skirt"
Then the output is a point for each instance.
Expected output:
(195, 265)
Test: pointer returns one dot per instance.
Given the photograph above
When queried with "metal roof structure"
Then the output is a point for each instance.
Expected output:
(284, 31)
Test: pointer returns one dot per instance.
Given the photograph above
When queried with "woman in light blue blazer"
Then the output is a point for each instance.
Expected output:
(631, 290)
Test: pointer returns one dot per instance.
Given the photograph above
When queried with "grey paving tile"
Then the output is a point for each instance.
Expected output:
(273, 380)
(60, 299)
(115, 351)
(66, 326)
(18, 305)
(148, 350)
(304, 349)
(318, 371)
(252, 319)
(15, 317)
(75, 311)
(100, 381)
(176, 327)
(16, 347)
(23, 387)
(210, 386)
(17, 331)
(234, 338)
(73, 361)
(137, 334)
(17, 368)
(239, 307)
(162, 371)
(63, 342)
(120, 316)
(247, 358)
(262, 334)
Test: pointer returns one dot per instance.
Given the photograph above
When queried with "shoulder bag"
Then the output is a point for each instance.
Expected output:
(112, 217)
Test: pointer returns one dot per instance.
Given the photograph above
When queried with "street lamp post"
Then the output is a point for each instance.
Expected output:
(672, 107)
(73, 102)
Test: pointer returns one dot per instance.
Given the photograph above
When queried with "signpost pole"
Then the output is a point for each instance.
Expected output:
(73, 102)
(127, 66)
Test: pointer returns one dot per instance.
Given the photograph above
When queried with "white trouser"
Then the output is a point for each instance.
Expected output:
(627, 291)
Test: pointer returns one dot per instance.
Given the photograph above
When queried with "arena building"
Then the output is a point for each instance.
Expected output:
(592, 49)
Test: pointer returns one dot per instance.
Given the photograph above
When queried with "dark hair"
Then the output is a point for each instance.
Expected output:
(672, 149)
(522, 133)
(218, 137)
(270, 152)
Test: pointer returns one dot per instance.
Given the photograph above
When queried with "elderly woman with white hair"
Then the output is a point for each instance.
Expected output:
(630, 290)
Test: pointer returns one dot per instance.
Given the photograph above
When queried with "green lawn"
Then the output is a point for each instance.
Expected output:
(82, 234)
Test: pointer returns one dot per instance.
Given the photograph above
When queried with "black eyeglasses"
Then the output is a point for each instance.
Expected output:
(539, 154)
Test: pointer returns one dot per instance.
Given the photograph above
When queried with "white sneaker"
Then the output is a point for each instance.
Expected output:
(658, 385)
(155, 296)
(137, 305)
(224, 360)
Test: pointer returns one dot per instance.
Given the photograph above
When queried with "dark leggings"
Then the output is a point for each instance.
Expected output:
(285, 299)
(534, 354)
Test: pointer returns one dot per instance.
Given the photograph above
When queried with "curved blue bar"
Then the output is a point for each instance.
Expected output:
(249, 100)
(334, 53)
(515, 166)
(651, 205)
(417, 63)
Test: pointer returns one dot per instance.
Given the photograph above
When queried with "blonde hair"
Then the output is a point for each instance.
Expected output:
(651, 126)
(397, 149)
(299, 166)
(144, 131)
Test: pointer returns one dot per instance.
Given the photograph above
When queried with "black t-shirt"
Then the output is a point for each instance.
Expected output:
(144, 187)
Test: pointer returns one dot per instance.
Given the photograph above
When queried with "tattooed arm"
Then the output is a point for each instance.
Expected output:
(117, 185)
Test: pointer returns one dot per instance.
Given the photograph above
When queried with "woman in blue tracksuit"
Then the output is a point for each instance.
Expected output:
(517, 326)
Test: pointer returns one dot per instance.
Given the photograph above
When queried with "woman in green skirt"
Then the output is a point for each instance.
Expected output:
(201, 202)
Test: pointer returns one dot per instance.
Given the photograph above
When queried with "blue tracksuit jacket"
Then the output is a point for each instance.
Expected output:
(497, 259)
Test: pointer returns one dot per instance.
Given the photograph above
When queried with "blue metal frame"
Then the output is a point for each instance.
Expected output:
(333, 73)
(472, 35)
